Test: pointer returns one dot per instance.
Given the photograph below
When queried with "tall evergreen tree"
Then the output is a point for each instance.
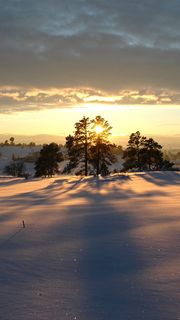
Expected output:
(89, 146)
(47, 163)
(82, 140)
(101, 148)
(78, 146)
(132, 154)
(72, 152)
(144, 153)
(151, 154)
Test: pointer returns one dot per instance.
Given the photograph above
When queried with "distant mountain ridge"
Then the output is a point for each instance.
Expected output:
(166, 141)
(38, 139)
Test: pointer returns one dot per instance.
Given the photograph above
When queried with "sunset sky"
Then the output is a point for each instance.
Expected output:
(62, 60)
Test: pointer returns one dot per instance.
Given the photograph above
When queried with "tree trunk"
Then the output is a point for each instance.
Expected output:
(86, 159)
(98, 157)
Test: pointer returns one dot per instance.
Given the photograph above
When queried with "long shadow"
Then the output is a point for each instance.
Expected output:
(50, 195)
(111, 265)
(40, 197)
(88, 266)
(162, 178)
(11, 181)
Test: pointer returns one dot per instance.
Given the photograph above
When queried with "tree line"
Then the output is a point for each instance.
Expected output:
(11, 142)
(90, 151)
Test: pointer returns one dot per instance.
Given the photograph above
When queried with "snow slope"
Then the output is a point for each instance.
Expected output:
(92, 249)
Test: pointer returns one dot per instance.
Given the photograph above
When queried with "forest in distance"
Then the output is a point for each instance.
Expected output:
(90, 152)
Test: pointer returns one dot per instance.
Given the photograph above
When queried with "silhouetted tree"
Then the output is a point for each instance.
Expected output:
(167, 165)
(144, 153)
(15, 168)
(69, 144)
(82, 140)
(47, 163)
(32, 144)
(90, 146)
(132, 154)
(78, 146)
(6, 143)
(12, 141)
(101, 148)
(72, 152)
(151, 154)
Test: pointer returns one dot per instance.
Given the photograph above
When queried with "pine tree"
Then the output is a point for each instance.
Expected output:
(132, 154)
(151, 154)
(144, 153)
(72, 152)
(78, 146)
(101, 148)
(82, 141)
(47, 163)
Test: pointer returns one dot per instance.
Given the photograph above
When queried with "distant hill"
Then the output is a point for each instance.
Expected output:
(168, 142)
(38, 139)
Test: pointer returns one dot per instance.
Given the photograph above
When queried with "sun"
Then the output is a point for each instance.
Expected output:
(98, 129)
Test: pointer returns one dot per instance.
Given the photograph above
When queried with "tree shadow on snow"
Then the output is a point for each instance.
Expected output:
(87, 266)
(162, 178)
(111, 266)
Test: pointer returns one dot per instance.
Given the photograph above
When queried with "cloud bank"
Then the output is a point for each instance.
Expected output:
(116, 47)
(19, 99)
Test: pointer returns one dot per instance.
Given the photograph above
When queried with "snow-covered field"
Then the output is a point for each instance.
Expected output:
(92, 249)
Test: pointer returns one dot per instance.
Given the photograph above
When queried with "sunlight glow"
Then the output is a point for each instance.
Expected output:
(124, 119)
(98, 129)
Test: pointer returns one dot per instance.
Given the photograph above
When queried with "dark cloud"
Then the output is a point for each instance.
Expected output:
(18, 99)
(107, 45)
